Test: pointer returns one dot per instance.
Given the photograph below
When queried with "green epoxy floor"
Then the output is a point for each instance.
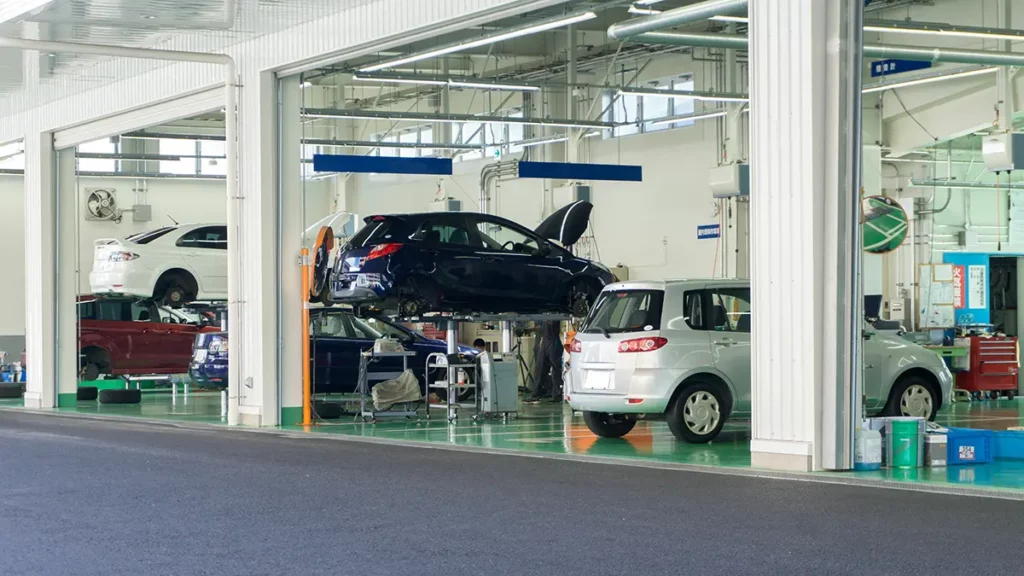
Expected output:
(554, 429)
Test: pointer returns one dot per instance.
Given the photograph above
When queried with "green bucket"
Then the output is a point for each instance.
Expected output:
(902, 437)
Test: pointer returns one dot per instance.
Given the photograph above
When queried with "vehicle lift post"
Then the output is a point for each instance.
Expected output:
(307, 408)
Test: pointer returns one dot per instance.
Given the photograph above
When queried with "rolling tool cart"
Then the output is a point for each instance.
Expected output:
(366, 361)
(994, 363)
(454, 383)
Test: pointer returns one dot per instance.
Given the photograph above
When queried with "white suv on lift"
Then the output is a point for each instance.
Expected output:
(680, 349)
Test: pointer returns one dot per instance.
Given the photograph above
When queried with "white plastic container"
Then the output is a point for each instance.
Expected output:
(867, 450)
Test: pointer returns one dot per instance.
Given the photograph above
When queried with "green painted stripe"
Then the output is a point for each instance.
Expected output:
(291, 415)
(66, 400)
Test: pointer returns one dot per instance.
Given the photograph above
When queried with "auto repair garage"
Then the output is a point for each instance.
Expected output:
(539, 226)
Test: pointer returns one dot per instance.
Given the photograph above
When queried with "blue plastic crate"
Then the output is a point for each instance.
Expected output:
(1009, 445)
(969, 446)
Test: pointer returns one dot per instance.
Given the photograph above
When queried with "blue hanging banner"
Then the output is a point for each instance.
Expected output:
(381, 164)
(893, 66)
(705, 231)
(572, 171)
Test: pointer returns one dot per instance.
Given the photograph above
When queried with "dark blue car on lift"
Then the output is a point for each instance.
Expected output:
(465, 262)
(336, 339)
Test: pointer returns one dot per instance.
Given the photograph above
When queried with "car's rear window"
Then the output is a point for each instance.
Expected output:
(376, 232)
(147, 237)
(625, 311)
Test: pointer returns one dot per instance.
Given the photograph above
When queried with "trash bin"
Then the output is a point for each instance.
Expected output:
(903, 442)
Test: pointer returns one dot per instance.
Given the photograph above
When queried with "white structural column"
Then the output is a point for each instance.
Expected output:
(67, 277)
(804, 249)
(40, 269)
(292, 226)
(254, 336)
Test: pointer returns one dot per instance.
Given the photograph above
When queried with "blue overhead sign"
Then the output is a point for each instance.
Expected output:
(381, 164)
(709, 231)
(894, 66)
(574, 171)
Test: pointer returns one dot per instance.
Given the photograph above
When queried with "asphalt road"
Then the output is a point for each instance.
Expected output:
(85, 497)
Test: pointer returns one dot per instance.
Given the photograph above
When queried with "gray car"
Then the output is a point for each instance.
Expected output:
(680, 349)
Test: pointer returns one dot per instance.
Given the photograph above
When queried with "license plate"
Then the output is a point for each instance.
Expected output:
(200, 355)
(597, 380)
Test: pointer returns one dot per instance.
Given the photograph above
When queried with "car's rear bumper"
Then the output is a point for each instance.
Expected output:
(129, 283)
(616, 404)
(359, 288)
(208, 375)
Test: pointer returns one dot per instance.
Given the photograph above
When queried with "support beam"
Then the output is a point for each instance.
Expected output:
(805, 129)
(40, 270)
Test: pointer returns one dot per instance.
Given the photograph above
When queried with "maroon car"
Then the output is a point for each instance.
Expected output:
(125, 337)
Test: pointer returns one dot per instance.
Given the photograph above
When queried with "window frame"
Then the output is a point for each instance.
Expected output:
(203, 244)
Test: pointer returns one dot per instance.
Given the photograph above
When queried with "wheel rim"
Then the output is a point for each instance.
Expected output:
(916, 401)
(702, 413)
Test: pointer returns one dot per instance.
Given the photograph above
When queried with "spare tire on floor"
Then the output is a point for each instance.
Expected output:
(120, 396)
(11, 389)
(88, 392)
(327, 410)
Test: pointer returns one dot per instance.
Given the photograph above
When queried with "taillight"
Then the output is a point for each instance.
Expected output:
(218, 345)
(121, 256)
(576, 345)
(642, 344)
(382, 250)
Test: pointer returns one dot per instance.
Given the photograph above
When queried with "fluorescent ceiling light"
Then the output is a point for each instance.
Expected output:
(704, 116)
(423, 82)
(736, 19)
(928, 80)
(342, 115)
(944, 30)
(702, 96)
(528, 143)
(427, 81)
(485, 86)
(14, 9)
(648, 2)
(633, 9)
(516, 33)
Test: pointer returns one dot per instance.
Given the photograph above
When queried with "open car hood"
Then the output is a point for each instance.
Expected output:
(566, 224)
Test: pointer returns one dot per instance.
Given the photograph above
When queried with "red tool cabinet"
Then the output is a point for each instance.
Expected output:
(994, 365)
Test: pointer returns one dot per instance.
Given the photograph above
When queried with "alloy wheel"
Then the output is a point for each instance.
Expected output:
(916, 401)
(701, 412)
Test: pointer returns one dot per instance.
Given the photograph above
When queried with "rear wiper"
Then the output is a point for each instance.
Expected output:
(605, 332)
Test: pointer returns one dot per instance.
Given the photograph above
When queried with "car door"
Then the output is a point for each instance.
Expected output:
(335, 347)
(517, 265)
(205, 252)
(449, 256)
(176, 335)
(877, 363)
(729, 323)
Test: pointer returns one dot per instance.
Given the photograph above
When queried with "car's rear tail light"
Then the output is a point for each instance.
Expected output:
(634, 400)
(218, 345)
(382, 250)
(642, 344)
(121, 256)
(576, 345)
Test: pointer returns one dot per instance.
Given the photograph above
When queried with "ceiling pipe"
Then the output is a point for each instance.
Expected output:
(927, 54)
(952, 184)
(675, 17)
(231, 151)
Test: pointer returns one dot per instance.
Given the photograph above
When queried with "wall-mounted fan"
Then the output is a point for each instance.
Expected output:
(101, 204)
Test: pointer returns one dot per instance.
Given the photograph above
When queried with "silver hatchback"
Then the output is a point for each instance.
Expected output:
(680, 349)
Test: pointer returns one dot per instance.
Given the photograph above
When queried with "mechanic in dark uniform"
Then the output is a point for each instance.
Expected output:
(547, 364)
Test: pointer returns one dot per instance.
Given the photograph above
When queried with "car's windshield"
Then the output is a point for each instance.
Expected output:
(625, 311)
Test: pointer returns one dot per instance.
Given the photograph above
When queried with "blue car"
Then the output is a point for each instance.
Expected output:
(337, 337)
(464, 262)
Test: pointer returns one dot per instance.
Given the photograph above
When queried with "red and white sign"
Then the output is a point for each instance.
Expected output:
(959, 288)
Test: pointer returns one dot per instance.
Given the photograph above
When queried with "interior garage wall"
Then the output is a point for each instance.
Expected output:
(651, 227)
(187, 201)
